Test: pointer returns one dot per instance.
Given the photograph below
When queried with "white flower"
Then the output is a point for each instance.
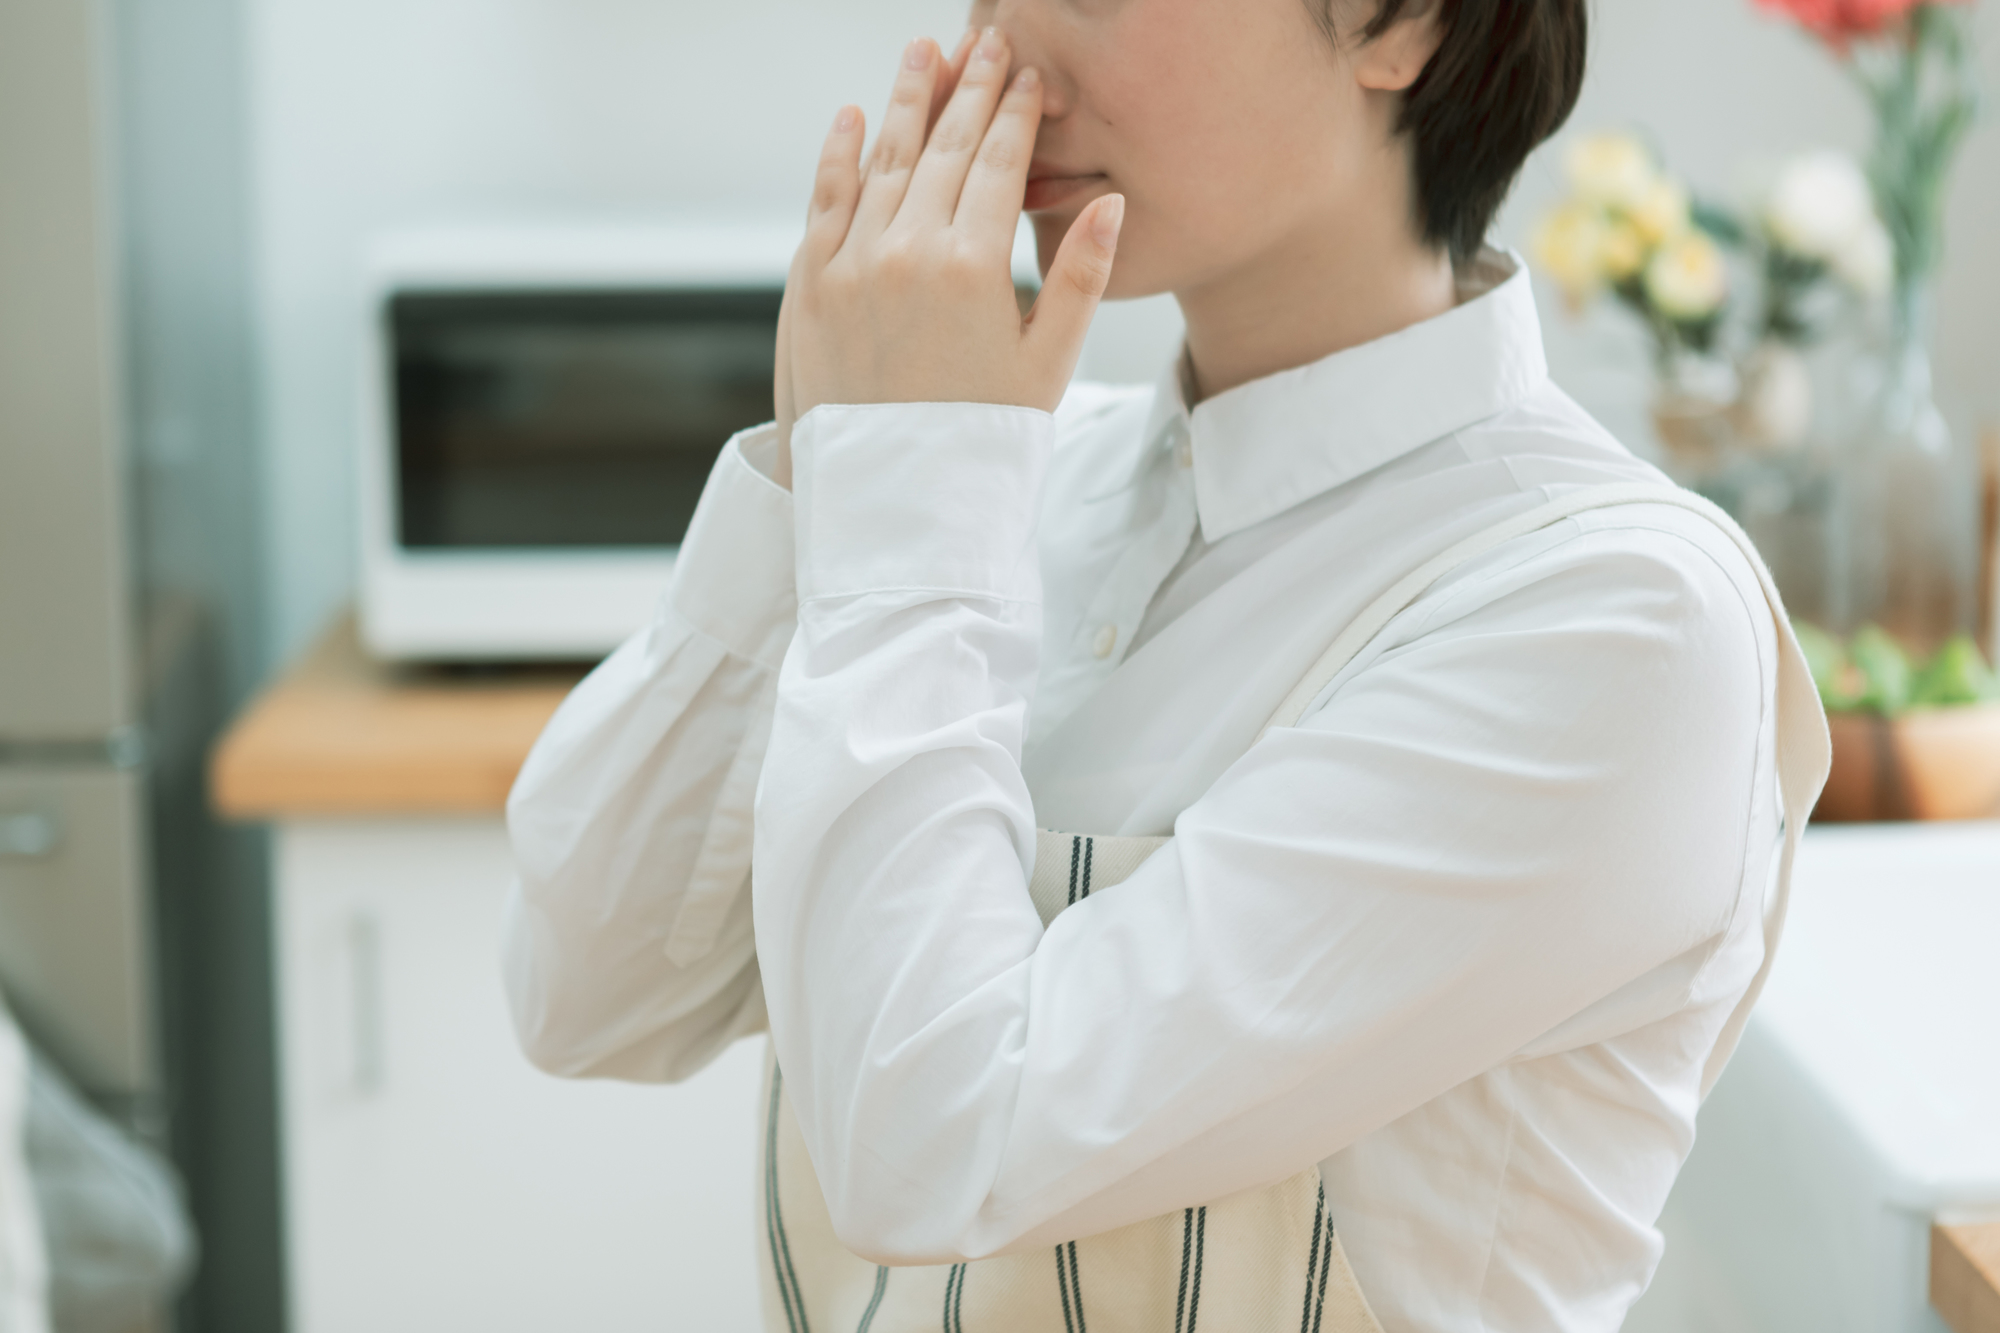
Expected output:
(1686, 279)
(1867, 261)
(1819, 205)
(1774, 407)
(1614, 170)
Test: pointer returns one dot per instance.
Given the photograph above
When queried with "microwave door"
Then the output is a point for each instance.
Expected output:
(569, 422)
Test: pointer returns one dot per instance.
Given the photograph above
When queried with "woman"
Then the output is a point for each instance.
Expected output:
(1468, 933)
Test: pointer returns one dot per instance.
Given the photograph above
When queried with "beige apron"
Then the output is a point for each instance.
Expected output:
(1265, 1259)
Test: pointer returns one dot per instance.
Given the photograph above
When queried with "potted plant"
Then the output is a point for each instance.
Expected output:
(1910, 740)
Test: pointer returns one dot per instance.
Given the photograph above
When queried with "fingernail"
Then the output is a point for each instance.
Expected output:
(1025, 81)
(964, 45)
(992, 46)
(843, 120)
(1110, 217)
(918, 56)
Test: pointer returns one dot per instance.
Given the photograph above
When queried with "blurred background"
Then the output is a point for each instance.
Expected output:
(232, 208)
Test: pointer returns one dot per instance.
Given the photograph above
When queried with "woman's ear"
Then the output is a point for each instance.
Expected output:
(1392, 60)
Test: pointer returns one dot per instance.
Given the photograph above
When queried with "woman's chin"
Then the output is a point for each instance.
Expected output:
(1129, 279)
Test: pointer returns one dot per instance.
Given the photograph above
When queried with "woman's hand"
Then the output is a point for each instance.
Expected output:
(903, 289)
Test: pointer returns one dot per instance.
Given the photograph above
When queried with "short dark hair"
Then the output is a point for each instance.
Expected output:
(1504, 79)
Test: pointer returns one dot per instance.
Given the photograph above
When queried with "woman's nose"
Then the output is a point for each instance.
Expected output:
(1033, 39)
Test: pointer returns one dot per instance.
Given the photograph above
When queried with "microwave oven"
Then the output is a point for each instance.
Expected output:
(542, 405)
(541, 408)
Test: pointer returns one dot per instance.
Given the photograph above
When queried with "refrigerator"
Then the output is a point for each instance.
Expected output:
(77, 957)
(134, 928)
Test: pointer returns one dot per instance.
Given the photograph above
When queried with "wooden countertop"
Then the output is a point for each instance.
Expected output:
(1965, 1276)
(341, 734)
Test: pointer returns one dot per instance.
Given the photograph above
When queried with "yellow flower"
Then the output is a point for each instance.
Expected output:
(1614, 170)
(1622, 251)
(1686, 280)
(1569, 246)
(1662, 212)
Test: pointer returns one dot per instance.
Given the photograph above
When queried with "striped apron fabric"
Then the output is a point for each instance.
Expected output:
(1255, 1262)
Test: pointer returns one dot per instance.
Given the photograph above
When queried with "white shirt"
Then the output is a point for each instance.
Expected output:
(1464, 936)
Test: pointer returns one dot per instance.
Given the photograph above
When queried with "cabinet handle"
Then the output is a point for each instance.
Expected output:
(365, 1040)
(28, 835)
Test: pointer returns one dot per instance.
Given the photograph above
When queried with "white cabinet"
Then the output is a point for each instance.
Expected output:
(1862, 1104)
(434, 1180)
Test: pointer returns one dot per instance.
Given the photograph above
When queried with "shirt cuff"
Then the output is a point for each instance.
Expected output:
(920, 495)
(733, 576)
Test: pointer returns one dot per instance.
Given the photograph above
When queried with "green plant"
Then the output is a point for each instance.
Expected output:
(1871, 672)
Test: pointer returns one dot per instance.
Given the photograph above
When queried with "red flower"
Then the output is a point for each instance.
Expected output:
(1841, 21)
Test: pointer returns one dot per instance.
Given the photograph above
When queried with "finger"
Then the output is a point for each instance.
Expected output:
(781, 361)
(1076, 283)
(989, 206)
(783, 395)
(836, 186)
(901, 139)
(948, 78)
(941, 171)
(782, 410)
(947, 82)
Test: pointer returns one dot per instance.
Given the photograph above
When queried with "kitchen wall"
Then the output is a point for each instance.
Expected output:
(375, 112)
(368, 113)
(193, 434)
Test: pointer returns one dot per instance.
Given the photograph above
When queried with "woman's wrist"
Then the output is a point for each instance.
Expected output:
(780, 470)
(902, 496)
(733, 575)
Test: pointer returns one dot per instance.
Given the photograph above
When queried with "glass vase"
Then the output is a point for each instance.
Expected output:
(1905, 539)
(1745, 435)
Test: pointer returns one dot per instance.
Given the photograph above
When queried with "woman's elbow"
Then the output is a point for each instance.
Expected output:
(903, 1241)
(542, 1002)
(878, 1213)
(550, 1045)
(577, 1050)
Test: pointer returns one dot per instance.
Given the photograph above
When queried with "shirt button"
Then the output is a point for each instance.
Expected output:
(1106, 640)
(1184, 452)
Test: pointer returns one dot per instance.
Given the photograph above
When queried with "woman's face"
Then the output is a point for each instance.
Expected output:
(1233, 128)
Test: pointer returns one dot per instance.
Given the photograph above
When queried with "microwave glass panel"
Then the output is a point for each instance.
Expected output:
(574, 419)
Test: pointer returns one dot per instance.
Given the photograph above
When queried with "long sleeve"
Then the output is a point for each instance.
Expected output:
(627, 942)
(1545, 798)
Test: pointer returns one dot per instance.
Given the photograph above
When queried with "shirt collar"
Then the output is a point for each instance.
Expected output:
(1262, 447)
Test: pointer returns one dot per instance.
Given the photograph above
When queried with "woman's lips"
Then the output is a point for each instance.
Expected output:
(1052, 191)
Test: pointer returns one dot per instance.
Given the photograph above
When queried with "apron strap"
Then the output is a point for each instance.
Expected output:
(1804, 750)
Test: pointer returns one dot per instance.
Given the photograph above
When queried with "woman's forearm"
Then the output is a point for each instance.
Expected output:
(628, 950)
